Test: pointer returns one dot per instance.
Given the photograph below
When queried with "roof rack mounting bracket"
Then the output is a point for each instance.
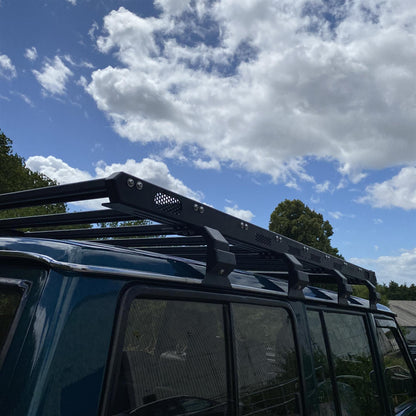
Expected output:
(344, 288)
(373, 296)
(220, 261)
(298, 279)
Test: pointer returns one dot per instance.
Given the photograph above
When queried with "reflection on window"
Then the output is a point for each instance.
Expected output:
(397, 374)
(320, 358)
(10, 297)
(173, 360)
(353, 365)
(266, 358)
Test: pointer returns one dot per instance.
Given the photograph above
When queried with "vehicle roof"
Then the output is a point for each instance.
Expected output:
(120, 261)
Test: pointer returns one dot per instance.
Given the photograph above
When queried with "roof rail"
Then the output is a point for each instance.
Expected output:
(189, 229)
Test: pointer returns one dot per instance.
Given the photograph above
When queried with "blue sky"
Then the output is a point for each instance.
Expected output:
(240, 104)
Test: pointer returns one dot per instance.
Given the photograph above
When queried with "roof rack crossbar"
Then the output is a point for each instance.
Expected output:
(87, 233)
(69, 218)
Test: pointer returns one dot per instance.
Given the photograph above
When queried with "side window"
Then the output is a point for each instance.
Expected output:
(10, 297)
(397, 374)
(321, 364)
(268, 379)
(353, 364)
(173, 360)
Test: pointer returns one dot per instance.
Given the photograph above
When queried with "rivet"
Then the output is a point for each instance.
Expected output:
(196, 207)
(139, 186)
(130, 182)
(201, 209)
(242, 225)
(246, 226)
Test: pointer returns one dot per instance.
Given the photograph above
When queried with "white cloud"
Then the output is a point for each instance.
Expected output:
(150, 170)
(31, 53)
(7, 69)
(207, 164)
(73, 2)
(243, 214)
(265, 85)
(26, 99)
(53, 76)
(401, 268)
(399, 191)
(56, 169)
(322, 187)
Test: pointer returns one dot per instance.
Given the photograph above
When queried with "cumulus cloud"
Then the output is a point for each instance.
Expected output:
(31, 53)
(401, 268)
(399, 191)
(56, 169)
(266, 85)
(148, 169)
(243, 214)
(7, 69)
(53, 76)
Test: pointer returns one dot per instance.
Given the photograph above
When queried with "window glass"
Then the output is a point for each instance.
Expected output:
(320, 358)
(10, 297)
(173, 360)
(399, 380)
(353, 365)
(266, 361)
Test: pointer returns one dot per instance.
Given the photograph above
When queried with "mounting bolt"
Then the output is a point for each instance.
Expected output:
(139, 186)
(244, 225)
(196, 207)
(201, 209)
(130, 182)
(278, 239)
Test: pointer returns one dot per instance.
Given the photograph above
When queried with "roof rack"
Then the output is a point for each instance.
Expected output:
(182, 227)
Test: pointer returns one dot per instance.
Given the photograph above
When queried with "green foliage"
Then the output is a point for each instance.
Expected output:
(15, 176)
(293, 219)
(394, 291)
(362, 292)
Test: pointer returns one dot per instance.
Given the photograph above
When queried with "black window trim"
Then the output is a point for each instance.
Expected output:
(23, 286)
(146, 291)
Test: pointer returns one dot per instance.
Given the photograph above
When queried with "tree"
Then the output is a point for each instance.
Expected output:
(293, 219)
(15, 176)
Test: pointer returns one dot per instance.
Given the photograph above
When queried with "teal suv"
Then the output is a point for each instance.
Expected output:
(180, 309)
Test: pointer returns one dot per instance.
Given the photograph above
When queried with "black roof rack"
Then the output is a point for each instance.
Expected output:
(189, 229)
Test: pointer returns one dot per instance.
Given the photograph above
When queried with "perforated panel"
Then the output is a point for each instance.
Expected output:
(167, 203)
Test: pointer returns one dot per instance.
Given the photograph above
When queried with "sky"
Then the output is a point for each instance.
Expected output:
(239, 104)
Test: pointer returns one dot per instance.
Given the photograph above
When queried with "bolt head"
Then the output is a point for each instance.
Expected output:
(130, 182)
(139, 186)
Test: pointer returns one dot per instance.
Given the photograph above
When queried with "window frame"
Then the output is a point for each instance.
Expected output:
(23, 286)
(176, 292)
(370, 330)
(382, 321)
